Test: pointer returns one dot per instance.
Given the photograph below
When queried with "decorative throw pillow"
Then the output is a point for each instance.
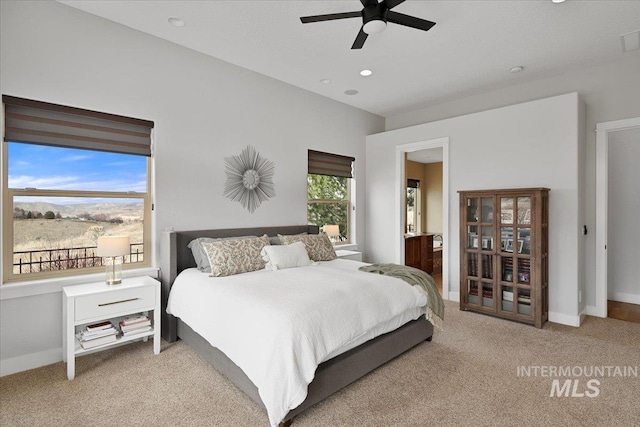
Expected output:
(318, 246)
(202, 260)
(279, 240)
(285, 256)
(274, 240)
(228, 257)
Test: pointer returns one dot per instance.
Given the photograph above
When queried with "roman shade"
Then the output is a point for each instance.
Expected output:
(37, 122)
(330, 164)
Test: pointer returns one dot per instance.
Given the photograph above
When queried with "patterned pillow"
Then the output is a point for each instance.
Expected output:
(318, 246)
(229, 257)
(202, 261)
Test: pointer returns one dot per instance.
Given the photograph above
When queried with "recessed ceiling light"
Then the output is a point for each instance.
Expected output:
(366, 73)
(517, 69)
(558, 1)
(176, 22)
(325, 81)
(351, 92)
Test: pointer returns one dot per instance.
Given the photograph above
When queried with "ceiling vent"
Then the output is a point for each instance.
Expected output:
(630, 41)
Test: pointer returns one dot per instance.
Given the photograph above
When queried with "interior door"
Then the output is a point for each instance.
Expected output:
(623, 228)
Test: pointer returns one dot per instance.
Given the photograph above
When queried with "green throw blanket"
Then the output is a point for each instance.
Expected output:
(419, 279)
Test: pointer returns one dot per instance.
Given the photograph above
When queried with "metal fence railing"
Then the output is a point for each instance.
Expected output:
(67, 258)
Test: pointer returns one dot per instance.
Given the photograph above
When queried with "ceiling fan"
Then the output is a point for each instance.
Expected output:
(374, 19)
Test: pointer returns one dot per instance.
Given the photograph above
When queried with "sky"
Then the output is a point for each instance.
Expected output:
(54, 168)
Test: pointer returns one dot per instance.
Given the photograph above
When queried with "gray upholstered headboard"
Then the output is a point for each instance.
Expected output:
(175, 256)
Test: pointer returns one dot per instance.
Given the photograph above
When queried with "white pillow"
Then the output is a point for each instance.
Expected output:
(285, 256)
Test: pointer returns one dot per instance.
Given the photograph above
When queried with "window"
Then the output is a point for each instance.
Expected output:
(413, 206)
(329, 194)
(70, 176)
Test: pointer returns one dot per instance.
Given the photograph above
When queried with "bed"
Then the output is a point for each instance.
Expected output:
(330, 376)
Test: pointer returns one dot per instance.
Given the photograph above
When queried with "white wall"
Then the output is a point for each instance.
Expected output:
(433, 189)
(623, 235)
(204, 110)
(533, 144)
(610, 92)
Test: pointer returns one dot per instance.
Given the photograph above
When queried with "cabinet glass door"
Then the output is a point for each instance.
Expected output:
(472, 237)
(487, 295)
(487, 238)
(524, 271)
(524, 210)
(506, 299)
(487, 266)
(487, 209)
(524, 240)
(507, 269)
(524, 302)
(472, 264)
(472, 292)
(472, 210)
(506, 210)
(506, 239)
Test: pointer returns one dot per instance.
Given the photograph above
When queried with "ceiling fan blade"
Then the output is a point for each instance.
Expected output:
(330, 17)
(409, 21)
(360, 39)
(390, 4)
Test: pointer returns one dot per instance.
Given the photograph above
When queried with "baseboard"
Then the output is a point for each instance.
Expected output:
(30, 361)
(564, 319)
(454, 296)
(582, 316)
(624, 297)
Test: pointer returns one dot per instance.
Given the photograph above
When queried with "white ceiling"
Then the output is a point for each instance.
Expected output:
(470, 50)
(431, 155)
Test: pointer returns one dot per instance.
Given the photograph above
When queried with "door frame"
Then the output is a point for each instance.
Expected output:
(602, 181)
(401, 195)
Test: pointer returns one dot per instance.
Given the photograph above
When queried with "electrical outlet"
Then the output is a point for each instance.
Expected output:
(579, 297)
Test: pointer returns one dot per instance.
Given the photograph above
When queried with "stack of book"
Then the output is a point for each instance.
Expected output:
(133, 325)
(97, 334)
(473, 265)
(524, 298)
(487, 267)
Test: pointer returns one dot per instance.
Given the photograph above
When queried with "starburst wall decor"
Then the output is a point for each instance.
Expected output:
(249, 179)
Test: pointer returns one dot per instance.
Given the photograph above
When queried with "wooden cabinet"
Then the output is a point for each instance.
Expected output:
(418, 252)
(437, 261)
(504, 253)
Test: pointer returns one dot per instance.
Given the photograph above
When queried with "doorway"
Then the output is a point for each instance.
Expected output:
(431, 151)
(616, 229)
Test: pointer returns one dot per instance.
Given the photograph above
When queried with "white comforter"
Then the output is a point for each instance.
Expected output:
(278, 326)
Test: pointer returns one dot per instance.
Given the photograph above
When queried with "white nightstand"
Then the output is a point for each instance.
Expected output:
(353, 255)
(89, 303)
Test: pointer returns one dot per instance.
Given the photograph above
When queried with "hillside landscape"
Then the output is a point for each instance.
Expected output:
(74, 225)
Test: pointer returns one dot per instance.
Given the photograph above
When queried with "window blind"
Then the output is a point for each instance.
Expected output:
(37, 122)
(330, 164)
(413, 183)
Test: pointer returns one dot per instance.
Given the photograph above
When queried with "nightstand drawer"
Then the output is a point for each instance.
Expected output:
(106, 304)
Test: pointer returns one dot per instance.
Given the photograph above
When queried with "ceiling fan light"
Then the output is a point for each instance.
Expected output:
(374, 26)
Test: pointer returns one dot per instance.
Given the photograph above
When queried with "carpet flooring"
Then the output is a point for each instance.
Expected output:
(467, 376)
